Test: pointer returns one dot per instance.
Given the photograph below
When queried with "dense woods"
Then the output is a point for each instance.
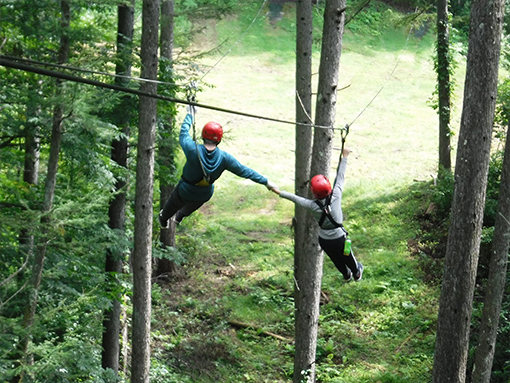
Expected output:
(91, 288)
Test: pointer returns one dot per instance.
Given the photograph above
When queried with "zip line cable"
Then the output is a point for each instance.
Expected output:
(64, 76)
(76, 69)
(10, 61)
(60, 66)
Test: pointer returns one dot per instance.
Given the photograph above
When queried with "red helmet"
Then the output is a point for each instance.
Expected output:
(212, 131)
(320, 186)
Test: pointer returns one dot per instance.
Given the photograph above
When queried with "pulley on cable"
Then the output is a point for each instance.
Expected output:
(191, 96)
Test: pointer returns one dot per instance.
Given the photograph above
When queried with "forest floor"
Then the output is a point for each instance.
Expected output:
(227, 315)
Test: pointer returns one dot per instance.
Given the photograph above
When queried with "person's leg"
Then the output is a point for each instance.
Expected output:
(346, 264)
(188, 209)
(173, 204)
(352, 263)
(334, 249)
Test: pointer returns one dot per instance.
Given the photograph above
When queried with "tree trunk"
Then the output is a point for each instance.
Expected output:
(49, 193)
(32, 143)
(140, 364)
(443, 84)
(305, 238)
(472, 163)
(166, 155)
(30, 175)
(484, 355)
(309, 275)
(117, 208)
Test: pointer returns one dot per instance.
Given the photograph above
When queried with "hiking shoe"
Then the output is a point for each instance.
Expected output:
(359, 274)
(348, 278)
(164, 224)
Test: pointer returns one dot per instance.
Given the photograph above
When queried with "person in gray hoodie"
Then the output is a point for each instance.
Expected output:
(327, 210)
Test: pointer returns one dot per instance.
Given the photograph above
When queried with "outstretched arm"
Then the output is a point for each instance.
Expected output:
(185, 139)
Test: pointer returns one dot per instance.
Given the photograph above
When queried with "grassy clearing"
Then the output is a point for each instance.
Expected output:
(240, 247)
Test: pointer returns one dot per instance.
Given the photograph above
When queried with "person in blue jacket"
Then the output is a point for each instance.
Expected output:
(327, 210)
(204, 165)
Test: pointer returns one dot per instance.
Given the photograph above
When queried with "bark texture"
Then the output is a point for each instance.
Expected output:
(472, 163)
(117, 208)
(444, 83)
(305, 237)
(484, 355)
(308, 271)
(49, 194)
(166, 153)
(142, 253)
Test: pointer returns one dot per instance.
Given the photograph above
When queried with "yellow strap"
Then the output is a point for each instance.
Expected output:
(203, 182)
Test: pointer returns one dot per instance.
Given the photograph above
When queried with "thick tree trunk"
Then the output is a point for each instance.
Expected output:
(305, 242)
(309, 274)
(455, 305)
(142, 253)
(166, 155)
(484, 355)
(334, 17)
(117, 208)
(443, 84)
(49, 194)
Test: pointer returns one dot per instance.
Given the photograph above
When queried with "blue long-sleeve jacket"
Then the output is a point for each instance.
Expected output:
(214, 164)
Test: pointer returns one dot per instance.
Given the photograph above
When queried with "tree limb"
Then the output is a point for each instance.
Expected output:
(238, 324)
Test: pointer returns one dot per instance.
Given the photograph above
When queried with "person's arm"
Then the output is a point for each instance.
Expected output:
(234, 166)
(185, 139)
(340, 172)
(304, 202)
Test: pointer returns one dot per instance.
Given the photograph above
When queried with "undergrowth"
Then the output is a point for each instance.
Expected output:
(228, 313)
(381, 329)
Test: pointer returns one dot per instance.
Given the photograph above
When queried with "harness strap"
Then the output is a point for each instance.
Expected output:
(202, 182)
(327, 213)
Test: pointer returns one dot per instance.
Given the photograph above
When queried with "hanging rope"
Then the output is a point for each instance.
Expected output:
(191, 96)
(238, 40)
(344, 134)
(385, 82)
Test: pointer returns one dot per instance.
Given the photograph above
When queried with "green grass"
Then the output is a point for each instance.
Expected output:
(239, 247)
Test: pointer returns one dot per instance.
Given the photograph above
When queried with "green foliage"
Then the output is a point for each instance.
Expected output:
(373, 20)
(442, 194)
(493, 182)
(235, 256)
(73, 292)
(451, 64)
(502, 115)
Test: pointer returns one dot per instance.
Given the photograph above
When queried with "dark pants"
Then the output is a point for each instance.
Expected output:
(178, 206)
(334, 248)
